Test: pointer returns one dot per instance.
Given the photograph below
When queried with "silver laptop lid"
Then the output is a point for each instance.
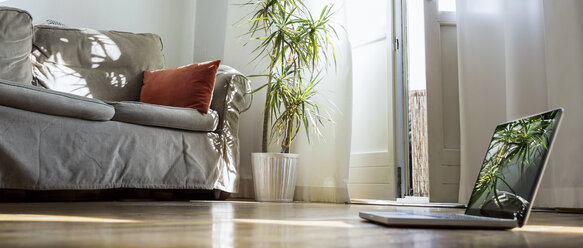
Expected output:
(513, 166)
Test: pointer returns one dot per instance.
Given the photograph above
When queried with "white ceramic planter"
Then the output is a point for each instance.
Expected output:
(274, 176)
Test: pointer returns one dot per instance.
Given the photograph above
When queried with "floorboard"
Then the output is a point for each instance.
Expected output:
(252, 224)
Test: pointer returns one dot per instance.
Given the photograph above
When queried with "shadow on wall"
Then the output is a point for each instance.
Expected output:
(106, 65)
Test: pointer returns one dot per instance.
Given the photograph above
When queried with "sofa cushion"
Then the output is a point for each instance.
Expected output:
(40, 100)
(15, 45)
(165, 116)
(106, 65)
(188, 86)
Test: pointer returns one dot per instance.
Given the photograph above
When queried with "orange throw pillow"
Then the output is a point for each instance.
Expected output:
(188, 86)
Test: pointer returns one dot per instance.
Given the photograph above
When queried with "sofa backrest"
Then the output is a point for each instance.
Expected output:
(107, 65)
(15, 45)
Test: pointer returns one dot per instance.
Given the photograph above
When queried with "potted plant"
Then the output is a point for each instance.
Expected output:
(294, 43)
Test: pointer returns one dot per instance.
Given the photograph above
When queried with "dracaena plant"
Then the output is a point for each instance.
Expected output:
(296, 44)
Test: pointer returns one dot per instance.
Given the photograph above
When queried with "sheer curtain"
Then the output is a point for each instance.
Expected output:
(323, 171)
(517, 58)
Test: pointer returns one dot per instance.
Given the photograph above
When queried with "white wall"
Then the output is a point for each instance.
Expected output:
(173, 20)
(209, 37)
(238, 56)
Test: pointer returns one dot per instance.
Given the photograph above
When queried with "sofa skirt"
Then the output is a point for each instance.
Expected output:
(45, 152)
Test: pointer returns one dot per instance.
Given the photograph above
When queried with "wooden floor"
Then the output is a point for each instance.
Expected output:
(250, 224)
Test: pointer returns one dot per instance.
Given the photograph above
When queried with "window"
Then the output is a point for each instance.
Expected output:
(446, 5)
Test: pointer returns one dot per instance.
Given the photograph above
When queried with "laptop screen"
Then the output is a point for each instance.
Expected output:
(513, 166)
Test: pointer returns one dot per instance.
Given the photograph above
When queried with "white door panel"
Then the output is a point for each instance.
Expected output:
(372, 164)
(442, 103)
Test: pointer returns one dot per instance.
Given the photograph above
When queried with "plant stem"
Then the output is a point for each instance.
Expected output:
(266, 118)
(286, 142)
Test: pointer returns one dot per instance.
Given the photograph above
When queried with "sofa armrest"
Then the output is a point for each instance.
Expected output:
(231, 97)
(44, 101)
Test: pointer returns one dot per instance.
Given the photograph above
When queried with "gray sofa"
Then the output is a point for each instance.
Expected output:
(70, 117)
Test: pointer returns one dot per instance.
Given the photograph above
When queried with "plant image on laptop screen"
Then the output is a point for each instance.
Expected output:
(507, 179)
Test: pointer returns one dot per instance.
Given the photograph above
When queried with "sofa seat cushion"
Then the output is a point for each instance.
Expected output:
(107, 65)
(40, 100)
(165, 116)
(15, 45)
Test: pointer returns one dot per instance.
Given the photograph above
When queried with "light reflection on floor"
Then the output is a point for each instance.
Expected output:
(550, 229)
(58, 218)
(338, 224)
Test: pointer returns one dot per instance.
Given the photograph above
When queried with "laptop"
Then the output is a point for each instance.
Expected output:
(507, 182)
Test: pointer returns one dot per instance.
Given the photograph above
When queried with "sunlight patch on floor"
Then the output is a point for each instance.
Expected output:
(58, 218)
(550, 229)
(311, 223)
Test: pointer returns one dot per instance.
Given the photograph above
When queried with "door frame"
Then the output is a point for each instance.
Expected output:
(400, 103)
(438, 154)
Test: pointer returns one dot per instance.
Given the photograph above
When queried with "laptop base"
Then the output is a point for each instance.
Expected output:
(405, 219)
